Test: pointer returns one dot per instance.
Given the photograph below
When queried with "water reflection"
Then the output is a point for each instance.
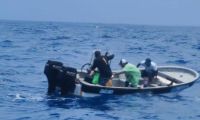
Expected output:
(97, 103)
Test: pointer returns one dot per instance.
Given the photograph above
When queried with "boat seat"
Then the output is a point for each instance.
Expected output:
(153, 85)
(164, 82)
(117, 83)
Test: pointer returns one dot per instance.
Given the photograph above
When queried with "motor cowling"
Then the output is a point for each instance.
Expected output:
(51, 71)
(60, 76)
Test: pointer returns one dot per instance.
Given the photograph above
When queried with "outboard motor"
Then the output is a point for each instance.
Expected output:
(66, 80)
(51, 70)
(60, 76)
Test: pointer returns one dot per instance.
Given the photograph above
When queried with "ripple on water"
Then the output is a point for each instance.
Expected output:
(56, 38)
(106, 36)
(179, 62)
(197, 47)
(6, 44)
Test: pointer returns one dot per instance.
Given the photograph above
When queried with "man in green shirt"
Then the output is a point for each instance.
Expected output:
(132, 73)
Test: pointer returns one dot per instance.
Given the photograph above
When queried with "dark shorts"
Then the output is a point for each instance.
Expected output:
(103, 81)
(150, 74)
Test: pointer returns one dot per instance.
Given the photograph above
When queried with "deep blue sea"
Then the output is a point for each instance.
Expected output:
(26, 46)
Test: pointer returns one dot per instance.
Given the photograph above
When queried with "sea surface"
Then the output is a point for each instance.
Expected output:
(25, 47)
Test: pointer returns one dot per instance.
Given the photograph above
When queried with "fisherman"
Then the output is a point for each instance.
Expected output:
(150, 70)
(132, 73)
(102, 64)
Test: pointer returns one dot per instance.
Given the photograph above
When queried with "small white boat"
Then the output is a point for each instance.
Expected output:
(170, 78)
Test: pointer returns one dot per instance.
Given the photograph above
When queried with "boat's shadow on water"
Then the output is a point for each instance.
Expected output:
(110, 102)
(75, 102)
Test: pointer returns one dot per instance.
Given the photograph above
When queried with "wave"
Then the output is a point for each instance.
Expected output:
(57, 38)
(106, 36)
(179, 61)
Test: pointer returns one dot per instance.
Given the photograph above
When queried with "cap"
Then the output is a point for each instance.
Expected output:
(123, 61)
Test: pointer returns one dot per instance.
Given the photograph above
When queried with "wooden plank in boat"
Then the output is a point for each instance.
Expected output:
(169, 77)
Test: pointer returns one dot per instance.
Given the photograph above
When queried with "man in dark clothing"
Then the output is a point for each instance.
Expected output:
(102, 63)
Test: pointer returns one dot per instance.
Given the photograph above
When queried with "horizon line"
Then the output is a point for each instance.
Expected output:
(106, 23)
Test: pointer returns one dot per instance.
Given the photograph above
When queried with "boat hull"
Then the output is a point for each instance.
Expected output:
(122, 91)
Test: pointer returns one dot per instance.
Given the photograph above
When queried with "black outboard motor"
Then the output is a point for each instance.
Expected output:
(60, 76)
(66, 80)
(51, 70)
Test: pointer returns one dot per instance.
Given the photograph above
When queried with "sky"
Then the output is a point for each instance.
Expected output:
(138, 12)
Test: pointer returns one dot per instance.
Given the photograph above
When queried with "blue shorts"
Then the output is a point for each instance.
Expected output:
(103, 81)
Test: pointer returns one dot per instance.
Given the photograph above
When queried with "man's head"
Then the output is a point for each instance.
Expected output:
(97, 53)
(122, 62)
(148, 62)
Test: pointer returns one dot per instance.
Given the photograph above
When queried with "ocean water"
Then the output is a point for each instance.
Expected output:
(26, 46)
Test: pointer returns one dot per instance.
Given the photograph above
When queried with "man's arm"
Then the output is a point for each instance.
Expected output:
(118, 73)
(109, 57)
(92, 68)
(154, 65)
(138, 65)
